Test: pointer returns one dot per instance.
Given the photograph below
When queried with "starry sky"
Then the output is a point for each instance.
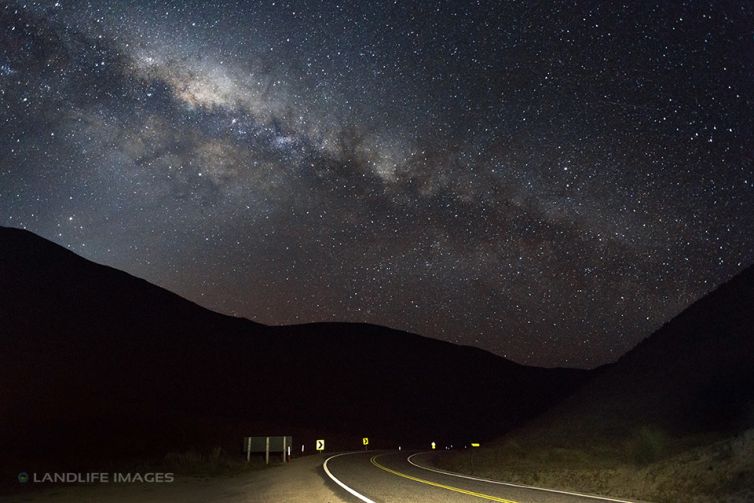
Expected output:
(547, 181)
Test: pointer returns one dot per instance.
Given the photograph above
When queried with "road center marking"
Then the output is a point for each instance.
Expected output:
(436, 484)
(510, 484)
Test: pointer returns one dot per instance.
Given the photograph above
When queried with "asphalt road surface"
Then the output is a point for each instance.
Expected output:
(403, 477)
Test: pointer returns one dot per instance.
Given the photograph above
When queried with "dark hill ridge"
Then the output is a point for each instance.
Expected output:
(672, 420)
(694, 375)
(93, 359)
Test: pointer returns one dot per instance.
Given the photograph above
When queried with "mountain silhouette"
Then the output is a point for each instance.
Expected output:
(96, 362)
(694, 376)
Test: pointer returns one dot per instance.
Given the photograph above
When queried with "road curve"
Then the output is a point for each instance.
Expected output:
(392, 476)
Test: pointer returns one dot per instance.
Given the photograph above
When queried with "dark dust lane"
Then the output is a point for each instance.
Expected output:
(389, 476)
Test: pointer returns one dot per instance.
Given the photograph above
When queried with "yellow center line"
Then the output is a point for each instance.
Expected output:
(436, 484)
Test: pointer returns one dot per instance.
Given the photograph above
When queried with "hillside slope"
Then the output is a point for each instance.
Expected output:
(93, 360)
(694, 375)
(674, 414)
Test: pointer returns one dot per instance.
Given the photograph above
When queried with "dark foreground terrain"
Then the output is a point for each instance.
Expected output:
(98, 366)
(672, 420)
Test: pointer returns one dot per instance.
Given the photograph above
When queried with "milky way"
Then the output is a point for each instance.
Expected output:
(548, 182)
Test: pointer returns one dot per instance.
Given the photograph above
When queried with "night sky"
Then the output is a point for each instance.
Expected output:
(550, 182)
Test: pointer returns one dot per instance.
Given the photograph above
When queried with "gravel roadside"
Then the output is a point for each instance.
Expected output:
(301, 481)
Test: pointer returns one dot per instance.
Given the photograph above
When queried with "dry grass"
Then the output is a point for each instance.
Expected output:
(214, 461)
(648, 466)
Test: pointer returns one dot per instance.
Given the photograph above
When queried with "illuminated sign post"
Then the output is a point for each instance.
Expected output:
(365, 441)
(434, 446)
(320, 444)
(267, 445)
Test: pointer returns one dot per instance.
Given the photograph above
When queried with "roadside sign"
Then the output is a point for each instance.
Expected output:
(320, 444)
(474, 444)
(267, 445)
(365, 440)
(434, 446)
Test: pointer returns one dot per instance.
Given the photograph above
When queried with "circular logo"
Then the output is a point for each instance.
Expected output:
(23, 477)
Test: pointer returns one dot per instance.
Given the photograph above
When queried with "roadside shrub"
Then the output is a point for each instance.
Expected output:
(194, 462)
(648, 445)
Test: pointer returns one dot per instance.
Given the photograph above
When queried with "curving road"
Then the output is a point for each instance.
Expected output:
(391, 476)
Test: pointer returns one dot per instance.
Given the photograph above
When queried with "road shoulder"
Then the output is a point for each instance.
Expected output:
(301, 481)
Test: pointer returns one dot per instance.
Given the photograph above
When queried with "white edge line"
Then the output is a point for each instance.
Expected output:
(452, 474)
(341, 484)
